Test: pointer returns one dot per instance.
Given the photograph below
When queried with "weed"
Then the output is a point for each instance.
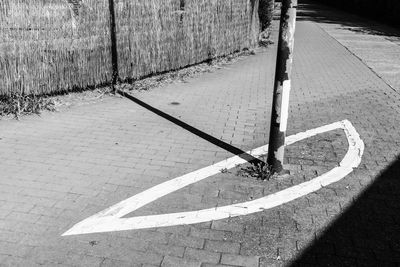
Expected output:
(19, 104)
(224, 170)
(260, 171)
(265, 38)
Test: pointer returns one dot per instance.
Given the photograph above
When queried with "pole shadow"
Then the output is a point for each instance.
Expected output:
(367, 233)
(234, 150)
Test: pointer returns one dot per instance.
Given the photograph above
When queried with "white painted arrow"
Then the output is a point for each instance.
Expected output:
(110, 219)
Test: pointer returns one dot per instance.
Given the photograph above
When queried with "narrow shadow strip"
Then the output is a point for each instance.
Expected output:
(201, 134)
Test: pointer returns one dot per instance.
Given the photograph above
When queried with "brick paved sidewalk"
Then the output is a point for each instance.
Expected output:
(376, 44)
(61, 168)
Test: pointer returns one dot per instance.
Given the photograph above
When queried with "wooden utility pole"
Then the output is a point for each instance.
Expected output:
(280, 105)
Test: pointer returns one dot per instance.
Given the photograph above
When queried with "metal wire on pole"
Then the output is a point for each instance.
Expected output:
(282, 86)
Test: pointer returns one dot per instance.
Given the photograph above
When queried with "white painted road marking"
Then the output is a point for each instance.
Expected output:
(110, 219)
(286, 87)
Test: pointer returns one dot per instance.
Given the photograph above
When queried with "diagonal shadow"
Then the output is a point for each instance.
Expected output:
(234, 150)
(367, 233)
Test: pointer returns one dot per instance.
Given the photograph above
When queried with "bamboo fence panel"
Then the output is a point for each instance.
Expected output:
(44, 49)
(155, 36)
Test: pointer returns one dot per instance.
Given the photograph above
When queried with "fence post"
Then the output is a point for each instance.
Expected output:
(114, 50)
(282, 86)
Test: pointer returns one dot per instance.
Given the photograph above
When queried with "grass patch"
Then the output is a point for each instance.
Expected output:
(18, 105)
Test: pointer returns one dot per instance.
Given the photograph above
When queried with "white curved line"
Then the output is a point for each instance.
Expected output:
(110, 219)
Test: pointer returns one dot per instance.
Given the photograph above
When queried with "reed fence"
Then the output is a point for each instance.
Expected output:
(46, 48)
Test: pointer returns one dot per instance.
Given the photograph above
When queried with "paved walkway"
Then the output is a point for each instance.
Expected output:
(61, 168)
(377, 45)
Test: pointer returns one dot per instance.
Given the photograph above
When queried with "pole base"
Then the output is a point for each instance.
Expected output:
(281, 174)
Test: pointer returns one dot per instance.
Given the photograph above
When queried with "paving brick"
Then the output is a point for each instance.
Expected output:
(177, 230)
(208, 233)
(4, 213)
(238, 260)
(202, 255)
(186, 241)
(12, 237)
(113, 262)
(215, 265)
(179, 262)
(135, 257)
(14, 249)
(169, 249)
(83, 260)
(23, 217)
(154, 237)
(19, 206)
(17, 261)
(46, 211)
(222, 246)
